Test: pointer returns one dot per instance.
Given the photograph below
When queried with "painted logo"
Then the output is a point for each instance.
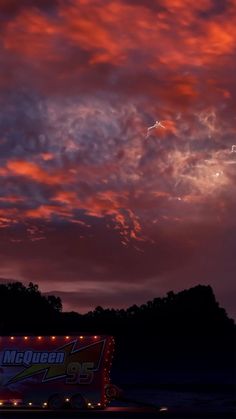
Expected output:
(32, 357)
(76, 365)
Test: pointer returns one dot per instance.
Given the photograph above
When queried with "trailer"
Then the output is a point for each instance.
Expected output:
(56, 371)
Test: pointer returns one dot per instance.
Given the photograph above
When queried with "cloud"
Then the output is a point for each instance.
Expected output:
(80, 84)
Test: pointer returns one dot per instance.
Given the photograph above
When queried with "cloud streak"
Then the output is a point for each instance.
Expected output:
(80, 84)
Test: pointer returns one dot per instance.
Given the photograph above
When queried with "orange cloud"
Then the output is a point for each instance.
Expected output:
(47, 211)
(107, 203)
(31, 34)
(66, 197)
(34, 172)
(47, 156)
(126, 47)
(112, 32)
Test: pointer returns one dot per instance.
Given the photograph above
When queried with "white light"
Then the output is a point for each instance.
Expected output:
(67, 400)
(89, 404)
(30, 404)
(163, 409)
(157, 124)
(45, 404)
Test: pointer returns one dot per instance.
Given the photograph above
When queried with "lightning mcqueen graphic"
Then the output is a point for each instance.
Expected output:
(51, 371)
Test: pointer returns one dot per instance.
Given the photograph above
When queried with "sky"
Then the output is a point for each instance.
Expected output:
(96, 206)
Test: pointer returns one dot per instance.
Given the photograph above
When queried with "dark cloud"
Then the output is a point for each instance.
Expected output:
(87, 198)
(10, 8)
(216, 7)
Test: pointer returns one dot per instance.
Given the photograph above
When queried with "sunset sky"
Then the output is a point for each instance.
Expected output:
(94, 207)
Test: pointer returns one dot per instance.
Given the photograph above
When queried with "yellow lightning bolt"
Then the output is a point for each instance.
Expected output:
(86, 354)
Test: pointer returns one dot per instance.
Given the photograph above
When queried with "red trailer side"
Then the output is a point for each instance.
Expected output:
(53, 370)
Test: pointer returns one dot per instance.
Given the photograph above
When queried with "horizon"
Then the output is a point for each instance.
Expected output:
(118, 148)
(18, 290)
(125, 307)
(141, 302)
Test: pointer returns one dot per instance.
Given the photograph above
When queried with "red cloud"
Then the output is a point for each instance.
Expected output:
(81, 82)
(113, 31)
(34, 172)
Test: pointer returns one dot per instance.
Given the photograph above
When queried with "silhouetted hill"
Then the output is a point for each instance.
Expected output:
(25, 309)
(185, 328)
(193, 311)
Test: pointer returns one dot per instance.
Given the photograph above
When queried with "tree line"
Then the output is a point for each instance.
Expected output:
(193, 311)
(188, 327)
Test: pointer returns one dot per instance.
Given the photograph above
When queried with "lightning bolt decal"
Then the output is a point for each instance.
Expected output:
(89, 353)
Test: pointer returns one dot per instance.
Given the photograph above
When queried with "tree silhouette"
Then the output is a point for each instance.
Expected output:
(26, 309)
(188, 326)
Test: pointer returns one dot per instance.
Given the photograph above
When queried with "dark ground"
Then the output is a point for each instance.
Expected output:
(117, 413)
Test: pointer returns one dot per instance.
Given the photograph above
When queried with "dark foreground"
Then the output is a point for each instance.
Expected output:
(114, 412)
(146, 403)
